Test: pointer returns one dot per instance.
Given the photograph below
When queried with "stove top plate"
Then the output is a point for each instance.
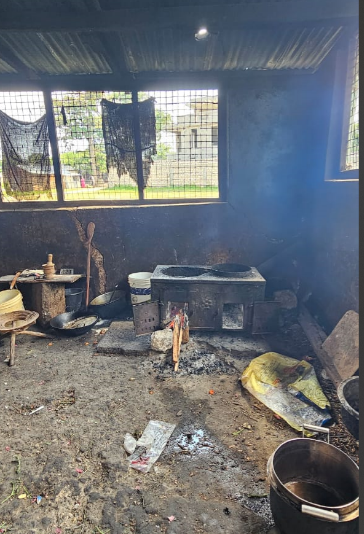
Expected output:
(159, 275)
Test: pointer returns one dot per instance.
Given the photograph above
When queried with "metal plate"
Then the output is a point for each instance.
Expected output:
(266, 317)
(146, 318)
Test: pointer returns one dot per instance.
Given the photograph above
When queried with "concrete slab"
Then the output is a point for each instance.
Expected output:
(342, 345)
(233, 342)
(121, 339)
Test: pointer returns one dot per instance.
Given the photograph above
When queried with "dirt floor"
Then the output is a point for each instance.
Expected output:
(71, 453)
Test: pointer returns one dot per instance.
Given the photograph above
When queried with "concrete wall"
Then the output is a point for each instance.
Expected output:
(274, 131)
(331, 271)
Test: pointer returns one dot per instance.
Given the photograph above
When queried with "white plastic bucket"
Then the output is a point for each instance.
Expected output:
(11, 300)
(140, 287)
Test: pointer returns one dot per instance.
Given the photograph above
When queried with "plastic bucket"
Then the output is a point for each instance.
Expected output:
(11, 300)
(73, 299)
(140, 287)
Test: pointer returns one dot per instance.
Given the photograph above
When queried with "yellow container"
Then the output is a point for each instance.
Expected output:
(11, 300)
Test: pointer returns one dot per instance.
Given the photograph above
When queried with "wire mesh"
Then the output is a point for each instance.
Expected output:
(186, 163)
(26, 171)
(85, 176)
(352, 147)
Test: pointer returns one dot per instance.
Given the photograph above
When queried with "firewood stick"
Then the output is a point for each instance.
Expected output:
(36, 334)
(12, 349)
(175, 341)
(186, 335)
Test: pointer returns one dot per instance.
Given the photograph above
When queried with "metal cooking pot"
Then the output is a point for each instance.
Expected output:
(73, 323)
(314, 488)
(109, 305)
(348, 393)
(231, 270)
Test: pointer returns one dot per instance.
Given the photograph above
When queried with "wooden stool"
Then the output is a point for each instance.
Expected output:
(17, 323)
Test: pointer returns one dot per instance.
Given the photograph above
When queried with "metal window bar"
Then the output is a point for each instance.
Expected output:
(85, 176)
(352, 146)
(186, 164)
(28, 107)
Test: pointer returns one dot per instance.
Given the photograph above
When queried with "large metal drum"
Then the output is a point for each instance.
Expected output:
(314, 489)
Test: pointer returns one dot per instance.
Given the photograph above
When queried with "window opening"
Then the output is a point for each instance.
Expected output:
(26, 171)
(352, 146)
(186, 163)
(85, 176)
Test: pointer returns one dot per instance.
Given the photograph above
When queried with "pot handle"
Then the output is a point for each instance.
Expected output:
(318, 429)
(326, 515)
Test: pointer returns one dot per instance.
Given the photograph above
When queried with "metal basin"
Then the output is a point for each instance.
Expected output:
(314, 489)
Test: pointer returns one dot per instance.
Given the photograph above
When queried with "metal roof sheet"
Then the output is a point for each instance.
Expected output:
(171, 50)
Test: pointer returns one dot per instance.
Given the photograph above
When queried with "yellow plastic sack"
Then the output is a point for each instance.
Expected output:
(289, 388)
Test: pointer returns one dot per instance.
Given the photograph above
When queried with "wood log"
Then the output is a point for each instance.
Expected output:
(186, 335)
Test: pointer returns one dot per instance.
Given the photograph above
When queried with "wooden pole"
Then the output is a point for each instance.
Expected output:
(90, 233)
(12, 349)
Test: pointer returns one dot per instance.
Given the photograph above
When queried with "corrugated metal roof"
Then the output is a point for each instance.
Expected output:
(59, 53)
(173, 51)
(234, 50)
(5, 68)
(168, 50)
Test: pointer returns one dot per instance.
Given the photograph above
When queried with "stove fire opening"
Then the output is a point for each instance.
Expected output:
(233, 317)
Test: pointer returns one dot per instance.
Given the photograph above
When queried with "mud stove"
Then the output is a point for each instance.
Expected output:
(213, 302)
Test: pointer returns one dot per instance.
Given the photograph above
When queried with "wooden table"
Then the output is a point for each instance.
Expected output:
(48, 297)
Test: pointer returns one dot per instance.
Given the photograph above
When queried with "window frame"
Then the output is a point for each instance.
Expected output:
(340, 117)
(161, 86)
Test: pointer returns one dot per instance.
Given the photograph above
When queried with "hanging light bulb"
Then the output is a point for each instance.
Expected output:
(202, 34)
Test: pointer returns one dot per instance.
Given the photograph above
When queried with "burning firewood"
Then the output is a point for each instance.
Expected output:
(180, 333)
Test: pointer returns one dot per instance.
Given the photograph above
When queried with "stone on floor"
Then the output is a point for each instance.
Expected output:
(342, 345)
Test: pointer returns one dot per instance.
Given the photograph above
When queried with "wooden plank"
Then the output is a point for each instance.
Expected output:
(58, 279)
(214, 16)
(316, 337)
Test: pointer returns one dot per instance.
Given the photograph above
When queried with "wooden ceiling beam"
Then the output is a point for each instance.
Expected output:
(335, 12)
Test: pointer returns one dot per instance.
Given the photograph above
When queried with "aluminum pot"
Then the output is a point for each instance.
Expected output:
(314, 488)
(348, 393)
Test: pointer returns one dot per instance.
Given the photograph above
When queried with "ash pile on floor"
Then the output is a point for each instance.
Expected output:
(196, 362)
(258, 505)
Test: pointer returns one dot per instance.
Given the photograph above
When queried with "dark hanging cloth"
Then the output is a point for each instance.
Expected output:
(118, 130)
(26, 164)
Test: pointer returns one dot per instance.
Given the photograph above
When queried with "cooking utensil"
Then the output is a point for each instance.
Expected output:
(90, 234)
(73, 323)
(314, 488)
(230, 270)
(348, 393)
(14, 280)
(108, 305)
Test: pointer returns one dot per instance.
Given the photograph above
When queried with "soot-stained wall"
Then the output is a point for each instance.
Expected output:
(273, 128)
(331, 270)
